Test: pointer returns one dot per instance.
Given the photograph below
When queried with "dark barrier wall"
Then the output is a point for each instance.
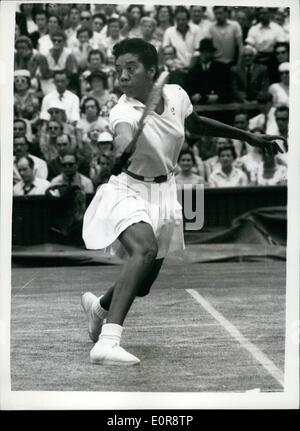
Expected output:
(35, 217)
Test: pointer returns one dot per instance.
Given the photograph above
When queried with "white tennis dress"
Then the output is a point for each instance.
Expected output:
(124, 200)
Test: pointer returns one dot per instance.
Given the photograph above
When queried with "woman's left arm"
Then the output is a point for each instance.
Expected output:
(209, 127)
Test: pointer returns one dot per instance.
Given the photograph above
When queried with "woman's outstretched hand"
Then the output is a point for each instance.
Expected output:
(271, 144)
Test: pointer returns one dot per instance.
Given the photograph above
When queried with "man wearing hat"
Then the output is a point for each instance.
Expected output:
(208, 81)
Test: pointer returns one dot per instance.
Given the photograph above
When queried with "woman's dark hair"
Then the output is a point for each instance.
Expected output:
(23, 39)
(180, 9)
(88, 99)
(285, 45)
(145, 52)
(133, 6)
(39, 12)
(83, 29)
(101, 16)
(187, 151)
(226, 148)
(96, 51)
(170, 10)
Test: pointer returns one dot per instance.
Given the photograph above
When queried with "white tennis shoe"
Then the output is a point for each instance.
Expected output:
(89, 304)
(111, 354)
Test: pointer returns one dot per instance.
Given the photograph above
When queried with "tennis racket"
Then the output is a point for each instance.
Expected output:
(151, 104)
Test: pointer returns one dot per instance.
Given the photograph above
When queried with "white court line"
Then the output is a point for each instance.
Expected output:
(23, 287)
(128, 328)
(237, 335)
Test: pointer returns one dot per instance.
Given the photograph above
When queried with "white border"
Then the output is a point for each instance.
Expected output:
(21, 400)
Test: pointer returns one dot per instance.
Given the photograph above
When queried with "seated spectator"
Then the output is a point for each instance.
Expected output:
(22, 129)
(250, 162)
(227, 175)
(164, 19)
(270, 172)
(69, 100)
(95, 63)
(280, 90)
(48, 139)
(28, 59)
(134, 13)
(71, 187)
(266, 119)
(226, 36)
(86, 21)
(91, 109)
(27, 11)
(29, 184)
(241, 121)
(104, 166)
(41, 21)
(71, 176)
(213, 162)
(209, 81)
(26, 102)
(281, 54)
(282, 121)
(64, 146)
(249, 78)
(84, 47)
(281, 17)
(98, 81)
(113, 36)
(45, 42)
(74, 23)
(186, 162)
(58, 58)
(21, 149)
(183, 36)
(98, 23)
(148, 26)
(57, 112)
(197, 14)
(264, 35)
(242, 16)
(171, 63)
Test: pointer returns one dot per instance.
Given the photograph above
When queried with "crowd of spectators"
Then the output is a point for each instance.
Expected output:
(65, 86)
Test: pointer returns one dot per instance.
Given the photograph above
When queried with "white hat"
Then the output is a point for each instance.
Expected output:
(57, 104)
(22, 72)
(105, 137)
(284, 67)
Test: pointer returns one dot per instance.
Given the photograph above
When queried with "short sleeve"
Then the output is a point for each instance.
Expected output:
(186, 103)
(121, 113)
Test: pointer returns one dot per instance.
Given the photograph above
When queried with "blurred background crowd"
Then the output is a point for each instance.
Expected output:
(65, 86)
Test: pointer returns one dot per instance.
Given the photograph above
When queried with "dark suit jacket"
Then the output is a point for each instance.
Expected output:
(259, 81)
(217, 79)
(55, 168)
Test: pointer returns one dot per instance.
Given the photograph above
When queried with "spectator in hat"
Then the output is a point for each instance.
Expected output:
(48, 139)
(29, 184)
(28, 59)
(226, 36)
(266, 119)
(208, 81)
(98, 81)
(249, 78)
(102, 162)
(69, 100)
(21, 149)
(57, 112)
(183, 36)
(26, 102)
(280, 90)
(264, 35)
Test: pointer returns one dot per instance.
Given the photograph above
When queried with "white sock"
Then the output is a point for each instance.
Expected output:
(100, 311)
(111, 333)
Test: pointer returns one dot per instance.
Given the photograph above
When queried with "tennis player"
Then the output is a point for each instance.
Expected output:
(137, 212)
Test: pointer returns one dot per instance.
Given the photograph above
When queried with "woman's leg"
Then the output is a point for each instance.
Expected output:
(140, 242)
